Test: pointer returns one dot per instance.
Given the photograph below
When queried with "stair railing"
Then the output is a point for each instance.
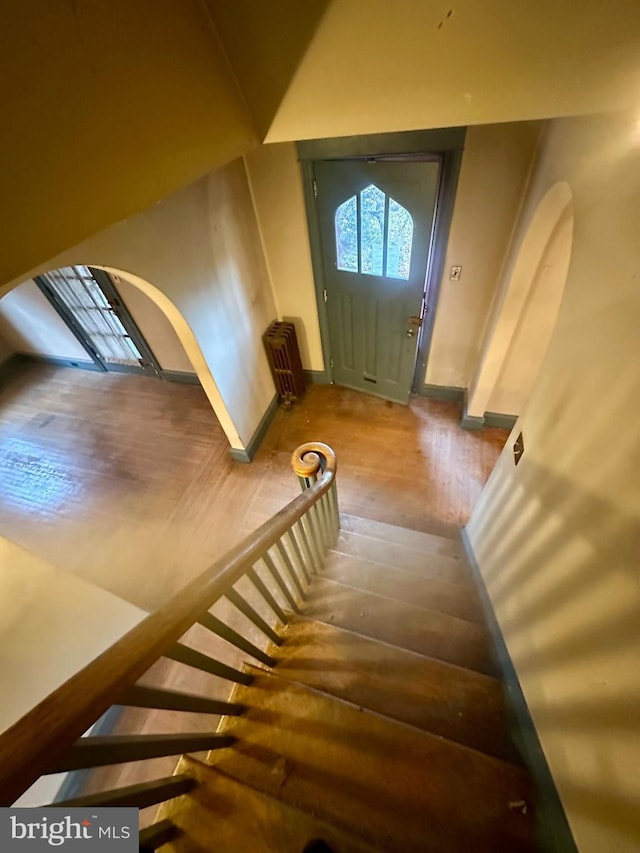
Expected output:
(279, 559)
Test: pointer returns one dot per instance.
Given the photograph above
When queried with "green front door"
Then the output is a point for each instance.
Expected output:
(376, 223)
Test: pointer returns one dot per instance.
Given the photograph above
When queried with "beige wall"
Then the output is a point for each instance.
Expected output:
(276, 183)
(557, 537)
(154, 327)
(495, 167)
(198, 254)
(374, 66)
(51, 625)
(30, 324)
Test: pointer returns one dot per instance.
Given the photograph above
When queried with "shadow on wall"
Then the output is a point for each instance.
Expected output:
(523, 324)
(571, 618)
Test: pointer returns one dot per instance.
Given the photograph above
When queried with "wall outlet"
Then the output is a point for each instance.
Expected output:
(455, 273)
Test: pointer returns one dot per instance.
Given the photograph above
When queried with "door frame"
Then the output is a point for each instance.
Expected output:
(447, 144)
(150, 365)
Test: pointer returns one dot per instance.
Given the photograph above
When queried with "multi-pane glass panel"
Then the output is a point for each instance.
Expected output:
(81, 293)
(371, 230)
(399, 240)
(382, 231)
(347, 235)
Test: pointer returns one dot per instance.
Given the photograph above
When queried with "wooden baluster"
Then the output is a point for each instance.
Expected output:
(296, 555)
(264, 591)
(140, 696)
(317, 522)
(156, 835)
(308, 565)
(307, 526)
(335, 510)
(190, 657)
(244, 607)
(208, 620)
(316, 517)
(141, 796)
(119, 749)
(284, 589)
(325, 517)
(286, 562)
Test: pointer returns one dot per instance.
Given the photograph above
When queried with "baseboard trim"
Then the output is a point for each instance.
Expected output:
(552, 827)
(497, 421)
(467, 421)
(246, 454)
(240, 454)
(491, 420)
(8, 367)
(442, 392)
(471, 422)
(317, 377)
(180, 376)
(59, 362)
(74, 782)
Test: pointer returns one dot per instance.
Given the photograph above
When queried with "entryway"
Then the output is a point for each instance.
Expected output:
(87, 300)
(379, 210)
(376, 224)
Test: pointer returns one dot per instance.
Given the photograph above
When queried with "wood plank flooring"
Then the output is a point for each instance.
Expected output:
(128, 481)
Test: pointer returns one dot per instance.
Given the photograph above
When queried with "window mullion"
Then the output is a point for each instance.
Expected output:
(359, 230)
(385, 235)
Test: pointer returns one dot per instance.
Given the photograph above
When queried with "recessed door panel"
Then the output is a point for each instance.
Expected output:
(346, 331)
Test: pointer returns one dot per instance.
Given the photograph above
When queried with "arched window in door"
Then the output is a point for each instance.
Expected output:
(373, 233)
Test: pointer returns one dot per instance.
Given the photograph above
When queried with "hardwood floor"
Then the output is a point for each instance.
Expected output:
(128, 481)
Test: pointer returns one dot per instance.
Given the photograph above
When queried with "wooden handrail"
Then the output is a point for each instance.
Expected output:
(33, 744)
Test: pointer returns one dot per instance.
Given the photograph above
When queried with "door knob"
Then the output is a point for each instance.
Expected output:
(414, 323)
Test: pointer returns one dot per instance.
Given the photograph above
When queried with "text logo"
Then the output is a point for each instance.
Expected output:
(27, 830)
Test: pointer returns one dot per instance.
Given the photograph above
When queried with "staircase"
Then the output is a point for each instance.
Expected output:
(370, 714)
(381, 725)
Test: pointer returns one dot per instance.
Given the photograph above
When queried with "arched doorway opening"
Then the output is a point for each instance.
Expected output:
(112, 477)
(32, 326)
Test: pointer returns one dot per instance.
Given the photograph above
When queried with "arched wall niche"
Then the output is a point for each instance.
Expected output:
(527, 310)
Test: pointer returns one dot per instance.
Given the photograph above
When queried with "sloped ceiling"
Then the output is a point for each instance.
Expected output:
(109, 106)
(373, 66)
(106, 106)
(266, 41)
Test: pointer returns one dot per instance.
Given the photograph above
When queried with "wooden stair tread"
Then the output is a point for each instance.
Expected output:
(395, 556)
(392, 785)
(453, 598)
(426, 542)
(228, 816)
(455, 703)
(417, 629)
